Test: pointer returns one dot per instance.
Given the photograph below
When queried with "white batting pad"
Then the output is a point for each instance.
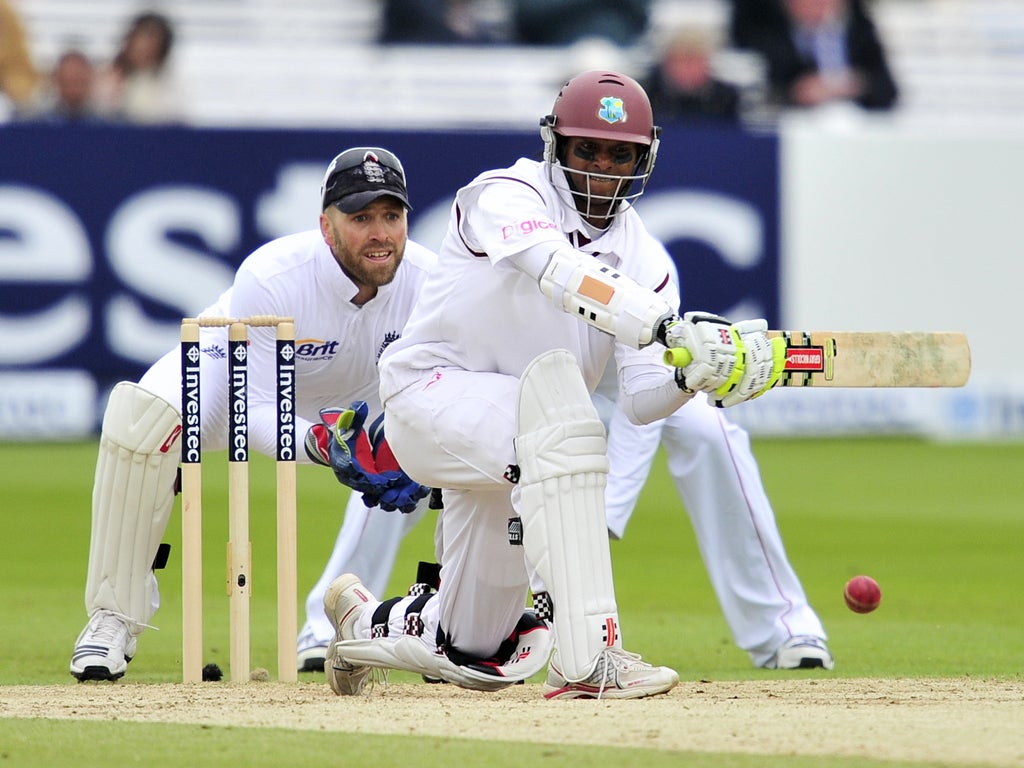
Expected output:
(411, 654)
(563, 461)
(133, 493)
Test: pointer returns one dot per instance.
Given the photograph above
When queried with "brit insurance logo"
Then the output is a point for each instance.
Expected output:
(313, 350)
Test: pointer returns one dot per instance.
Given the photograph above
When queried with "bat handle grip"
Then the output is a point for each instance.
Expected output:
(677, 357)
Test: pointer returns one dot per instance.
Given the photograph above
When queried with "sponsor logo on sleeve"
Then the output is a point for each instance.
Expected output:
(527, 227)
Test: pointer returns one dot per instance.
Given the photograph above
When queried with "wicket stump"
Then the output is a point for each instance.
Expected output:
(239, 555)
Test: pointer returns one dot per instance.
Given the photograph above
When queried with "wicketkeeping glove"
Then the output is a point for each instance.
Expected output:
(340, 443)
(405, 493)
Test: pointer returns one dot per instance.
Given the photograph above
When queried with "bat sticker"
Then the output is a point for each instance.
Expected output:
(803, 357)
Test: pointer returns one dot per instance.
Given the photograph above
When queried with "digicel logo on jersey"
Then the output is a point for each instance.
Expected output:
(525, 227)
(315, 349)
(805, 359)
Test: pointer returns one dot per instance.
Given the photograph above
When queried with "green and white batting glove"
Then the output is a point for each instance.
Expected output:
(764, 362)
(707, 351)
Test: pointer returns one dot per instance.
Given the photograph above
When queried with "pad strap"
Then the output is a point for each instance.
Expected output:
(413, 622)
(381, 616)
(543, 605)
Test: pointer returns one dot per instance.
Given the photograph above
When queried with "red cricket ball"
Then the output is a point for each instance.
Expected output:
(862, 594)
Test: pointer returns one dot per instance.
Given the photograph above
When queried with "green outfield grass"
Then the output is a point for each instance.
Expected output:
(940, 526)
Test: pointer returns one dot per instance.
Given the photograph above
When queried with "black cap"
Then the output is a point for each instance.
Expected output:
(358, 176)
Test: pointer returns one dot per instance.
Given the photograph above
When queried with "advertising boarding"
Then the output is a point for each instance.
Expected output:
(110, 235)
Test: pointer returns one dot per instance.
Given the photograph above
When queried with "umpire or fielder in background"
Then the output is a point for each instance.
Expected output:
(350, 286)
(546, 271)
(719, 483)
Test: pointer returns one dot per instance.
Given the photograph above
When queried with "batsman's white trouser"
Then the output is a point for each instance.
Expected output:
(718, 480)
(455, 430)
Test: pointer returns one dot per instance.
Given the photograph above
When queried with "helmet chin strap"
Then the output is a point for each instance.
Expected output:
(547, 133)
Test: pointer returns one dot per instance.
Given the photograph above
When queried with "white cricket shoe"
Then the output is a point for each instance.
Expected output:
(311, 651)
(344, 601)
(802, 652)
(617, 674)
(104, 647)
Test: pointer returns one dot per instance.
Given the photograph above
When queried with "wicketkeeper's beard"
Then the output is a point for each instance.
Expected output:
(364, 272)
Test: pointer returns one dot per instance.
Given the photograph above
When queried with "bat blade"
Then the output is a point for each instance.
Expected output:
(875, 359)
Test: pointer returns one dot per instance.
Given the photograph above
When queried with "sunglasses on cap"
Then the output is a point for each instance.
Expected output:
(358, 176)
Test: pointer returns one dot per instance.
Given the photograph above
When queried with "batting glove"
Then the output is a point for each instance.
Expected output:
(715, 351)
(765, 360)
(340, 443)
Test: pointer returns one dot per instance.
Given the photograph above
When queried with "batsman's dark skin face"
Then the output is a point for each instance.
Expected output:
(609, 159)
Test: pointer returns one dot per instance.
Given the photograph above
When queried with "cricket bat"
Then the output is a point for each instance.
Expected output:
(867, 359)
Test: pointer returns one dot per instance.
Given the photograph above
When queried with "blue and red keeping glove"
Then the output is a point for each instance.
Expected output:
(364, 464)
(404, 494)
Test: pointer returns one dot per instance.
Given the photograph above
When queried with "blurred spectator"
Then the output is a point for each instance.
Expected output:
(70, 93)
(816, 51)
(562, 22)
(444, 22)
(681, 85)
(752, 20)
(138, 86)
(19, 79)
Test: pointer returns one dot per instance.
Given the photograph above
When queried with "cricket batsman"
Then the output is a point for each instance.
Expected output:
(546, 272)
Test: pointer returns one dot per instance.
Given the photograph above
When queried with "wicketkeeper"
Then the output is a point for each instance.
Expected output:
(350, 285)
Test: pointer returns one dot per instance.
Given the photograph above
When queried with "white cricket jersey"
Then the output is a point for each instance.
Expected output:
(337, 344)
(479, 312)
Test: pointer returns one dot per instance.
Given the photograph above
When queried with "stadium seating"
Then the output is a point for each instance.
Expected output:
(315, 63)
